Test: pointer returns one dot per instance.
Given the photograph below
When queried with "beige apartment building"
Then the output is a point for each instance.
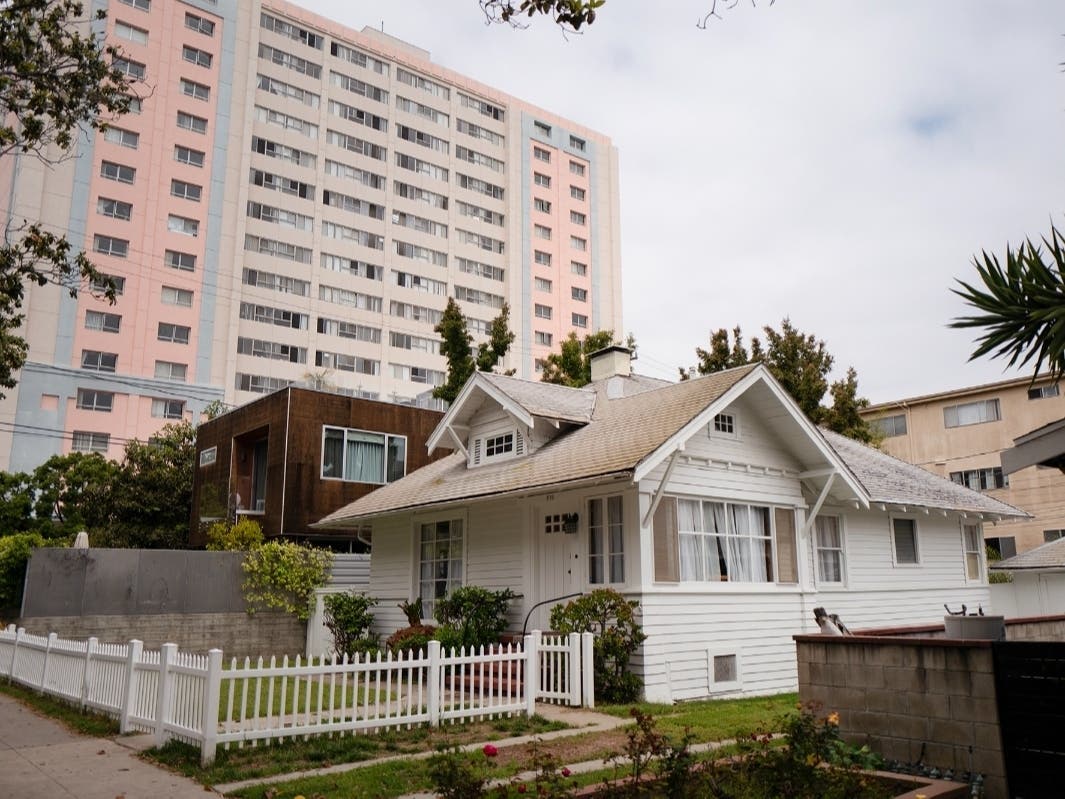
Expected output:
(960, 434)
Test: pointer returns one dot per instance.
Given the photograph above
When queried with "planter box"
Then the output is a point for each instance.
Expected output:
(975, 628)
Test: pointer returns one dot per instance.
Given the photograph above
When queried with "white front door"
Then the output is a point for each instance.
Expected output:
(558, 559)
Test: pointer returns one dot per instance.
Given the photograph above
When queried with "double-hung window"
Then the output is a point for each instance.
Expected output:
(606, 540)
(828, 545)
(362, 456)
(440, 552)
(722, 541)
(973, 542)
(904, 541)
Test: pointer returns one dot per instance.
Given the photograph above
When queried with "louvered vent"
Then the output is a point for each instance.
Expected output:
(476, 458)
(519, 443)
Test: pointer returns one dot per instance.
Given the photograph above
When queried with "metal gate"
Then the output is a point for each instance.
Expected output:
(1030, 682)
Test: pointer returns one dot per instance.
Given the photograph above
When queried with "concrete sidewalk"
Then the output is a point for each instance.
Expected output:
(42, 759)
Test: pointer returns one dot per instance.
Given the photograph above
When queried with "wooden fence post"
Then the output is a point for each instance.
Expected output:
(588, 669)
(90, 649)
(434, 683)
(133, 657)
(212, 691)
(532, 671)
(163, 692)
(44, 666)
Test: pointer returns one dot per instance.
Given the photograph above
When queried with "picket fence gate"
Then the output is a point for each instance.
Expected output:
(188, 697)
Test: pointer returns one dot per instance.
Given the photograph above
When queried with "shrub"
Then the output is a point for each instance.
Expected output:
(472, 616)
(612, 619)
(413, 611)
(348, 618)
(414, 638)
(282, 575)
(14, 555)
(243, 536)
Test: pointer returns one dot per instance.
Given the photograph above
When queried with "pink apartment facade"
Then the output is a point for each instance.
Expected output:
(294, 202)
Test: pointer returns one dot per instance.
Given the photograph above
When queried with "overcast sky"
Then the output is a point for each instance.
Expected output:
(836, 161)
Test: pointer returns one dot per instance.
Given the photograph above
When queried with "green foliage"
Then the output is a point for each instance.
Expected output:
(14, 555)
(571, 366)
(569, 14)
(412, 611)
(348, 618)
(414, 638)
(1020, 307)
(243, 535)
(456, 776)
(472, 616)
(456, 346)
(73, 492)
(800, 363)
(500, 337)
(618, 635)
(282, 575)
(16, 503)
(995, 577)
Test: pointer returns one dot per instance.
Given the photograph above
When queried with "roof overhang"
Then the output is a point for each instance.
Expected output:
(1042, 447)
(455, 420)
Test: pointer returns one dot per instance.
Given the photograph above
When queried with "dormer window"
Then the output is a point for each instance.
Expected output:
(497, 446)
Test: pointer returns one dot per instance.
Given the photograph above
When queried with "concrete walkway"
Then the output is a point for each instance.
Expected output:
(42, 759)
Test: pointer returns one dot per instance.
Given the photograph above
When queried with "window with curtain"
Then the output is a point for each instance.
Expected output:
(439, 562)
(974, 544)
(722, 542)
(828, 543)
(904, 533)
(361, 456)
(606, 546)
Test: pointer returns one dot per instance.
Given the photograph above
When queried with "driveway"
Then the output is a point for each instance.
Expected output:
(42, 759)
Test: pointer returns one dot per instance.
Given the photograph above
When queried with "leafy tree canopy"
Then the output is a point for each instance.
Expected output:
(1020, 306)
(571, 365)
(456, 345)
(801, 363)
(56, 77)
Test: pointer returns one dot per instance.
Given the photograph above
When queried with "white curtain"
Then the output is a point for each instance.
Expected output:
(692, 566)
(829, 550)
(365, 458)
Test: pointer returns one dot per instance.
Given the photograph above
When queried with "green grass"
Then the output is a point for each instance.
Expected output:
(712, 719)
(75, 719)
(269, 696)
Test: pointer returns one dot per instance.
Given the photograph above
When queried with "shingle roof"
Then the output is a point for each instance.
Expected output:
(889, 480)
(622, 432)
(1047, 556)
(546, 399)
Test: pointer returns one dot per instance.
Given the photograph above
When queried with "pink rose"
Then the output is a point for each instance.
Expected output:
(566, 772)
(490, 751)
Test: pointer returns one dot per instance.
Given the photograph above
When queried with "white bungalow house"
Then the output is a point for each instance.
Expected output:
(714, 502)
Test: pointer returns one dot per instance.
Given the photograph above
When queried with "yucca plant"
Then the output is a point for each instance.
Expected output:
(1020, 307)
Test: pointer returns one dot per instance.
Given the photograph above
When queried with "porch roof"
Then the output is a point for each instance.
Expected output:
(1048, 557)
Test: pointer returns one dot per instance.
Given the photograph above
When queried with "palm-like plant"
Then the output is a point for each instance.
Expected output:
(1021, 307)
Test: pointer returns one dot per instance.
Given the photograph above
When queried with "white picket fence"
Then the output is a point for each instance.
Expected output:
(191, 698)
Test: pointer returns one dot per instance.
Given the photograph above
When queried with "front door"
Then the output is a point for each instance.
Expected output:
(559, 562)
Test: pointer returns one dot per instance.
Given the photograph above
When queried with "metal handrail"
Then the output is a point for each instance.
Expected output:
(525, 624)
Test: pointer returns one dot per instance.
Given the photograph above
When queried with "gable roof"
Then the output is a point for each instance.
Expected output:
(626, 433)
(1049, 556)
(888, 480)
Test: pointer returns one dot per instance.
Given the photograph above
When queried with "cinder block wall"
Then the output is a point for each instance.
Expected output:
(901, 695)
(236, 634)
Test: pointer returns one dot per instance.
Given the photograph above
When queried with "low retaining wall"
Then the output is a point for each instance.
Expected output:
(236, 634)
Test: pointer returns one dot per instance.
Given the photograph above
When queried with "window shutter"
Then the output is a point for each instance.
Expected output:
(666, 542)
(787, 552)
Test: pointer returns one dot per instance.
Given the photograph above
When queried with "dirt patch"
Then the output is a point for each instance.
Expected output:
(570, 749)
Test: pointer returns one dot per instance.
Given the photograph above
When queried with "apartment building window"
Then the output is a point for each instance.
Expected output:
(194, 22)
(419, 283)
(107, 322)
(122, 137)
(972, 413)
(579, 269)
(482, 107)
(542, 232)
(480, 186)
(577, 144)
(478, 297)
(981, 479)
(890, 426)
(184, 261)
(277, 249)
(269, 180)
(579, 294)
(259, 384)
(286, 121)
(576, 168)
(280, 216)
(543, 339)
(542, 128)
(177, 334)
(479, 269)
(540, 179)
(135, 105)
(577, 218)
(97, 361)
(175, 296)
(904, 541)
(577, 193)
(540, 154)
(186, 155)
(167, 370)
(579, 320)
(118, 172)
(168, 409)
(356, 86)
(419, 223)
(477, 132)
(577, 243)
(100, 285)
(418, 374)
(191, 122)
(92, 400)
(116, 209)
(353, 299)
(85, 441)
(356, 332)
(195, 55)
(294, 32)
(542, 258)
(358, 57)
(1043, 392)
(140, 5)
(541, 205)
(109, 245)
(480, 240)
(272, 350)
(426, 85)
(186, 191)
(361, 116)
(352, 266)
(197, 91)
(405, 341)
(1052, 535)
(182, 225)
(542, 284)
(274, 316)
(127, 66)
(543, 311)
(828, 549)
(282, 89)
(347, 363)
(606, 540)
(416, 313)
(474, 157)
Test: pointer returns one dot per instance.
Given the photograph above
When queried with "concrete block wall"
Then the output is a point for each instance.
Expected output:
(236, 634)
(908, 696)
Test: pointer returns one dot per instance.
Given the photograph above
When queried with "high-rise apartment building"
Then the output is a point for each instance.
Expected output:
(295, 201)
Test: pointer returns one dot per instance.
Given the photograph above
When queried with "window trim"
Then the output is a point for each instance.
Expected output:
(387, 440)
(607, 553)
(916, 543)
(844, 581)
(417, 522)
(733, 419)
(981, 565)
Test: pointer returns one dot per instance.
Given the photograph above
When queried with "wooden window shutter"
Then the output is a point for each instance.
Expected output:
(787, 552)
(666, 542)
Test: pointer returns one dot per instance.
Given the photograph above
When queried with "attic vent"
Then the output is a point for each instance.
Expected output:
(519, 443)
(476, 451)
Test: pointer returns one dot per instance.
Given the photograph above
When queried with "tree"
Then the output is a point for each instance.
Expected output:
(571, 366)
(56, 78)
(571, 15)
(800, 362)
(455, 345)
(1020, 307)
(73, 492)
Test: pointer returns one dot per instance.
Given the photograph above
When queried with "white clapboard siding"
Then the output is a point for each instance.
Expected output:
(391, 579)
